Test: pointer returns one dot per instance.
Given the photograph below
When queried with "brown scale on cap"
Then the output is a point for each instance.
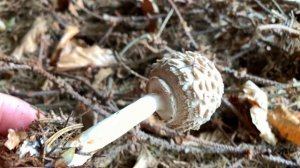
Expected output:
(190, 88)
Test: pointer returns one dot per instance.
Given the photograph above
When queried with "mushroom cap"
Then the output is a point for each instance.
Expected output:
(190, 88)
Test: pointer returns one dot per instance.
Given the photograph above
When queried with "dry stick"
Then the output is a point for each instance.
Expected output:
(13, 67)
(133, 42)
(118, 19)
(87, 83)
(241, 53)
(128, 68)
(203, 146)
(120, 56)
(256, 79)
(279, 160)
(219, 148)
(142, 136)
(229, 105)
(280, 27)
(278, 7)
(60, 82)
(41, 55)
(147, 36)
(163, 25)
(184, 24)
(137, 40)
(108, 33)
(159, 129)
(211, 147)
(34, 93)
(263, 6)
(272, 12)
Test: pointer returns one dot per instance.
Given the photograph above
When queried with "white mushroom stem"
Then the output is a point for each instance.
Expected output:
(185, 88)
(118, 124)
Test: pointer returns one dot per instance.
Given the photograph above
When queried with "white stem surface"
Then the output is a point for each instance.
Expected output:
(118, 124)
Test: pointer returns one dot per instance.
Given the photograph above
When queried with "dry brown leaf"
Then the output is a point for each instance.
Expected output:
(255, 95)
(287, 124)
(69, 54)
(73, 57)
(73, 10)
(150, 7)
(102, 74)
(80, 4)
(70, 32)
(31, 40)
(61, 4)
(259, 111)
(145, 160)
(14, 138)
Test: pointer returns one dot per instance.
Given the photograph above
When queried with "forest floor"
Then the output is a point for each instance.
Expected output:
(251, 41)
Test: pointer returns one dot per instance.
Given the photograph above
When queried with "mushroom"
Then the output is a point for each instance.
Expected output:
(184, 89)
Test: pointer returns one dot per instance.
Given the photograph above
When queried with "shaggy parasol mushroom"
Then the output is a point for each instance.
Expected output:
(184, 89)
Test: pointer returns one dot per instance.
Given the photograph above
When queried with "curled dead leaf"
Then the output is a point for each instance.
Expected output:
(73, 57)
(255, 95)
(14, 138)
(69, 54)
(259, 110)
(145, 160)
(150, 7)
(287, 124)
(70, 32)
(31, 40)
(102, 74)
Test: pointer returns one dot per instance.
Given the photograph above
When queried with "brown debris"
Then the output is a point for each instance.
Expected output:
(247, 40)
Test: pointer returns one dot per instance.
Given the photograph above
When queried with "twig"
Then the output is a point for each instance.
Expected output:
(133, 42)
(263, 6)
(142, 136)
(241, 53)
(279, 160)
(34, 93)
(272, 12)
(219, 148)
(13, 67)
(278, 7)
(184, 24)
(155, 127)
(108, 33)
(60, 82)
(118, 19)
(88, 84)
(128, 68)
(120, 56)
(256, 79)
(163, 25)
(198, 147)
(229, 105)
(280, 27)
